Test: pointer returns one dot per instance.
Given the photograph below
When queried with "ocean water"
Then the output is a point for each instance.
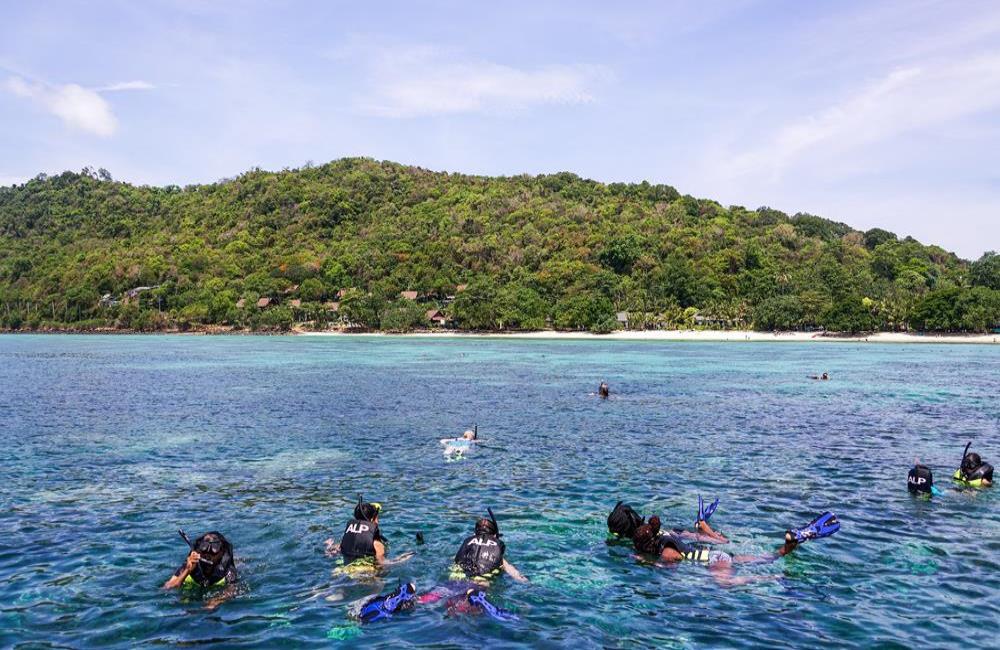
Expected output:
(108, 445)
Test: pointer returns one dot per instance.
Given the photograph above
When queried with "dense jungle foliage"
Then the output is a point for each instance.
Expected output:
(534, 251)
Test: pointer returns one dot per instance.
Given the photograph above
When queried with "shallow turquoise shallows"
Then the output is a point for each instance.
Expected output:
(108, 445)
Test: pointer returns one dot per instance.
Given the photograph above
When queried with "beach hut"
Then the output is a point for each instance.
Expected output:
(437, 318)
(296, 304)
(264, 303)
(408, 295)
(622, 318)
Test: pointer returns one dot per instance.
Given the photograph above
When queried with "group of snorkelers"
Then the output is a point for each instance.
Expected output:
(973, 472)
(363, 549)
(481, 557)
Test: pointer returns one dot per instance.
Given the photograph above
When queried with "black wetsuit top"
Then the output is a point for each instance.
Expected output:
(480, 555)
(212, 575)
(359, 540)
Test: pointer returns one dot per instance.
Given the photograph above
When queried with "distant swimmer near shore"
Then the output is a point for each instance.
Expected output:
(823, 377)
(603, 390)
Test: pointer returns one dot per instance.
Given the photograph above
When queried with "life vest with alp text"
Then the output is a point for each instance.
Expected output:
(359, 540)
(480, 555)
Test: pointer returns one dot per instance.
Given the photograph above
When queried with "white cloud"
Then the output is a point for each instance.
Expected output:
(128, 85)
(905, 100)
(78, 107)
(412, 82)
(7, 181)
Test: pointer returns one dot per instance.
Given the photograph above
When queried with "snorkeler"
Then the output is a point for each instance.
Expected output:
(920, 481)
(603, 390)
(363, 542)
(973, 471)
(210, 564)
(823, 377)
(481, 556)
(648, 540)
(478, 561)
(624, 521)
(456, 448)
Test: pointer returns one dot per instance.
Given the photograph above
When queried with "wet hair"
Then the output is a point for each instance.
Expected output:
(623, 520)
(366, 511)
(205, 543)
(486, 527)
(645, 537)
(971, 462)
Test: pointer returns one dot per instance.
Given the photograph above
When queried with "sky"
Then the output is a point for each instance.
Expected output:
(876, 113)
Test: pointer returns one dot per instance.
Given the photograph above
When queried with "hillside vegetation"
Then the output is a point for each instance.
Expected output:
(338, 243)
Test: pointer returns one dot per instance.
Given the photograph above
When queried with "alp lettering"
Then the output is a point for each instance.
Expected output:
(482, 542)
(357, 528)
(915, 480)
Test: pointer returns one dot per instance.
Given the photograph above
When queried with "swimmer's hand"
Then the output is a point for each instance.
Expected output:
(399, 559)
(332, 548)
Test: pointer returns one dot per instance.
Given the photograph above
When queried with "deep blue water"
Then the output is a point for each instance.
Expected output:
(109, 444)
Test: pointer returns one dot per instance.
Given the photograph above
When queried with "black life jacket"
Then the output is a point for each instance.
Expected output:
(480, 555)
(920, 480)
(672, 540)
(217, 574)
(359, 539)
(982, 471)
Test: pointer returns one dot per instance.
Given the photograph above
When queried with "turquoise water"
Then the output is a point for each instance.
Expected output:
(109, 444)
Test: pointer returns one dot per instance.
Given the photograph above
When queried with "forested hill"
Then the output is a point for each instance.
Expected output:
(340, 243)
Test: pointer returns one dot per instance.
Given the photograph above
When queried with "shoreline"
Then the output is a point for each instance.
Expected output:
(704, 336)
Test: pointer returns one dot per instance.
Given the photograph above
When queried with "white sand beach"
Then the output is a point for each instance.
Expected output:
(732, 336)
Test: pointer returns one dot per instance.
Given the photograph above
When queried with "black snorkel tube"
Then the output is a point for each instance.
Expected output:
(496, 526)
(475, 432)
(187, 540)
(965, 453)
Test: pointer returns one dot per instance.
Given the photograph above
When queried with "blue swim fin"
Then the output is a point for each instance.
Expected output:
(478, 598)
(382, 607)
(823, 526)
(704, 514)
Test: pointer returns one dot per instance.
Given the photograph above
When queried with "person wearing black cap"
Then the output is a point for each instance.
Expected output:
(481, 556)
(362, 540)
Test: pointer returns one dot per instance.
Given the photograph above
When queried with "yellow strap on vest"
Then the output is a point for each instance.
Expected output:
(697, 555)
(190, 582)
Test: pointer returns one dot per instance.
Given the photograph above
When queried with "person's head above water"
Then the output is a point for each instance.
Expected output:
(486, 527)
(623, 520)
(603, 389)
(212, 546)
(367, 511)
(645, 536)
(469, 435)
(824, 376)
(974, 468)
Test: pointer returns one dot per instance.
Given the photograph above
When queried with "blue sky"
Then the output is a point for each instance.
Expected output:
(873, 113)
